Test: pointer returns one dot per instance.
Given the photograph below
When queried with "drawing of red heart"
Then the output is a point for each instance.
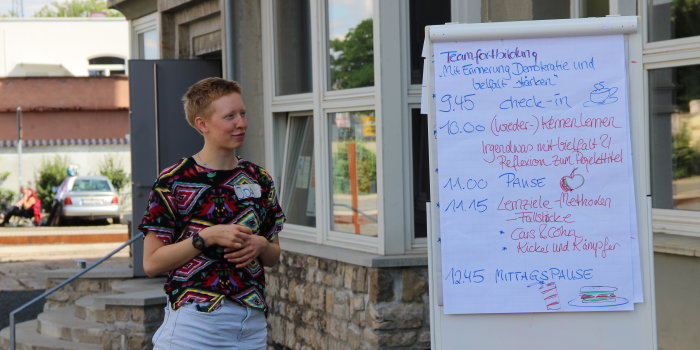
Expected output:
(571, 181)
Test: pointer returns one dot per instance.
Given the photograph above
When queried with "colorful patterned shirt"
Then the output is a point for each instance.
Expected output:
(185, 199)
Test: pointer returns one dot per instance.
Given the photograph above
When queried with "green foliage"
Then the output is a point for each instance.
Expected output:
(684, 15)
(112, 169)
(51, 174)
(685, 159)
(366, 162)
(7, 198)
(76, 8)
(352, 65)
(9, 14)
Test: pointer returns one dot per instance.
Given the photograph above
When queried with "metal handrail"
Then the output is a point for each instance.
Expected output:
(57, 287)
(356, 210)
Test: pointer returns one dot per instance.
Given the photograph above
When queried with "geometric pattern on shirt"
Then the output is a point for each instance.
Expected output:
(254, 268)
(221, 277)
(187, 195)
(251, 297)
(240, 178)
(248, 218)
(192, 267)
(193, 295)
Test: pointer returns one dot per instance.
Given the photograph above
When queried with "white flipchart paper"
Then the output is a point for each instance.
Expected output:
(535, 174)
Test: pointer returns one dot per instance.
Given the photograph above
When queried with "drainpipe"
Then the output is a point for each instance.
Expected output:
(229, 67)
(19, 144)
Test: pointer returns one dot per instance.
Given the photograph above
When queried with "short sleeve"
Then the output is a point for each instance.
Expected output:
(159, 216)
(274, 218)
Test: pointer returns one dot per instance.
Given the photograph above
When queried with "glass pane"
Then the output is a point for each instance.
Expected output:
(148, 45)
(595, 8)
(423, 13)
(298, 182)
(354, 172)
(675, 137)
(421, 174)
(673, 19)
(520, 10)
(351, 51)
(292, 47)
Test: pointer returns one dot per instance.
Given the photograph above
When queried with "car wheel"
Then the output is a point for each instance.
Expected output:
(116, 220)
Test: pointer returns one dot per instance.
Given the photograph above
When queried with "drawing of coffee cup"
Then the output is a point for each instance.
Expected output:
(601, 94)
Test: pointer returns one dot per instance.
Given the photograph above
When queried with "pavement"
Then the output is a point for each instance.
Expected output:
(21, 265)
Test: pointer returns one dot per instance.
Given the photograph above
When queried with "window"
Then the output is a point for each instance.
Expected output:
(595, 8)
(421, 173)
(106, 60)
(673, 19)
(350, 44)
(421, 14)
(144, 37)
(148, 45)
(518, 10)
(298, 185)
(353, 167)
(292, 47)
(674, 116)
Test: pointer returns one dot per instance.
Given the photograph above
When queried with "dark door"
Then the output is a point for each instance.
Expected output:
(160, 134)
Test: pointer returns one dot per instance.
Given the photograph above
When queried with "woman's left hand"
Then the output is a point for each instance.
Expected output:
(253, 246)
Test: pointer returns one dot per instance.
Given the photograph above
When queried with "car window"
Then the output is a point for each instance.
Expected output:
(82, 185)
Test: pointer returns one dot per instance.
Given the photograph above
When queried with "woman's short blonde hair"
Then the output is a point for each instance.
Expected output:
(198, 98)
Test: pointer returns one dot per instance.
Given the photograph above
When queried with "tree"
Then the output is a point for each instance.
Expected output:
(76, 8)
(685, 159)
(352, 63)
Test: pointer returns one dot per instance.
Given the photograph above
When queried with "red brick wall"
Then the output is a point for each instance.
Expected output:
(65, 107)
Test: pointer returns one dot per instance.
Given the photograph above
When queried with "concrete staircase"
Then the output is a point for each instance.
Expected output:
(104, 309)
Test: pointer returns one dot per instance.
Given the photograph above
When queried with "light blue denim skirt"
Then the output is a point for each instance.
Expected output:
(232, 327)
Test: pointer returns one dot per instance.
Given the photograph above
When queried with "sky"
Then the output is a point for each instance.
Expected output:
(30, 6)
(346, 14)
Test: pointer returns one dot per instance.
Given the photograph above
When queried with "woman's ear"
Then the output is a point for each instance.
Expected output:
(201, 124)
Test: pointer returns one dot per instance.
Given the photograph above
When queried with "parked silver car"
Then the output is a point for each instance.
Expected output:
(85, 197)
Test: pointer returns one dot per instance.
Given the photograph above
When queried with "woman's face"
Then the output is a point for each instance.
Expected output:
(227, 124)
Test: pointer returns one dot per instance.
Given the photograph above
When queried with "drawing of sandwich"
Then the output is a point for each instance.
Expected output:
(597, 294)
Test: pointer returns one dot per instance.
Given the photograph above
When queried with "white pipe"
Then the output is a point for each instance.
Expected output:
(534, 29)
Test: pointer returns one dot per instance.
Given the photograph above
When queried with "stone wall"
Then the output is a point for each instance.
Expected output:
(326, 304)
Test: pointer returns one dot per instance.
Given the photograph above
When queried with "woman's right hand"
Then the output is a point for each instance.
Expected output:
(232, 236)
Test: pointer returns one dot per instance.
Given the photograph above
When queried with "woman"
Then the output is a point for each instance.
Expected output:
(29, 206)
(211, 225)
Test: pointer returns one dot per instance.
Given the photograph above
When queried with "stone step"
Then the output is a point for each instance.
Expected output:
(139, 284)
(28, 338)
(108, 308)
(99, 280)
(62, 323)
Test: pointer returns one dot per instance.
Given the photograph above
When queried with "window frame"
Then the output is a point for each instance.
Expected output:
(671, 53)
(142, 25)
(284, 154)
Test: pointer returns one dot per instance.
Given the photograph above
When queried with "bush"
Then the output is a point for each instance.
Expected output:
(7, 197)
(51, 174)
(112, 169)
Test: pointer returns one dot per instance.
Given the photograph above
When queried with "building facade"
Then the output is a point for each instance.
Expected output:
(333, 89)
(45, 47)
(67, 77)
